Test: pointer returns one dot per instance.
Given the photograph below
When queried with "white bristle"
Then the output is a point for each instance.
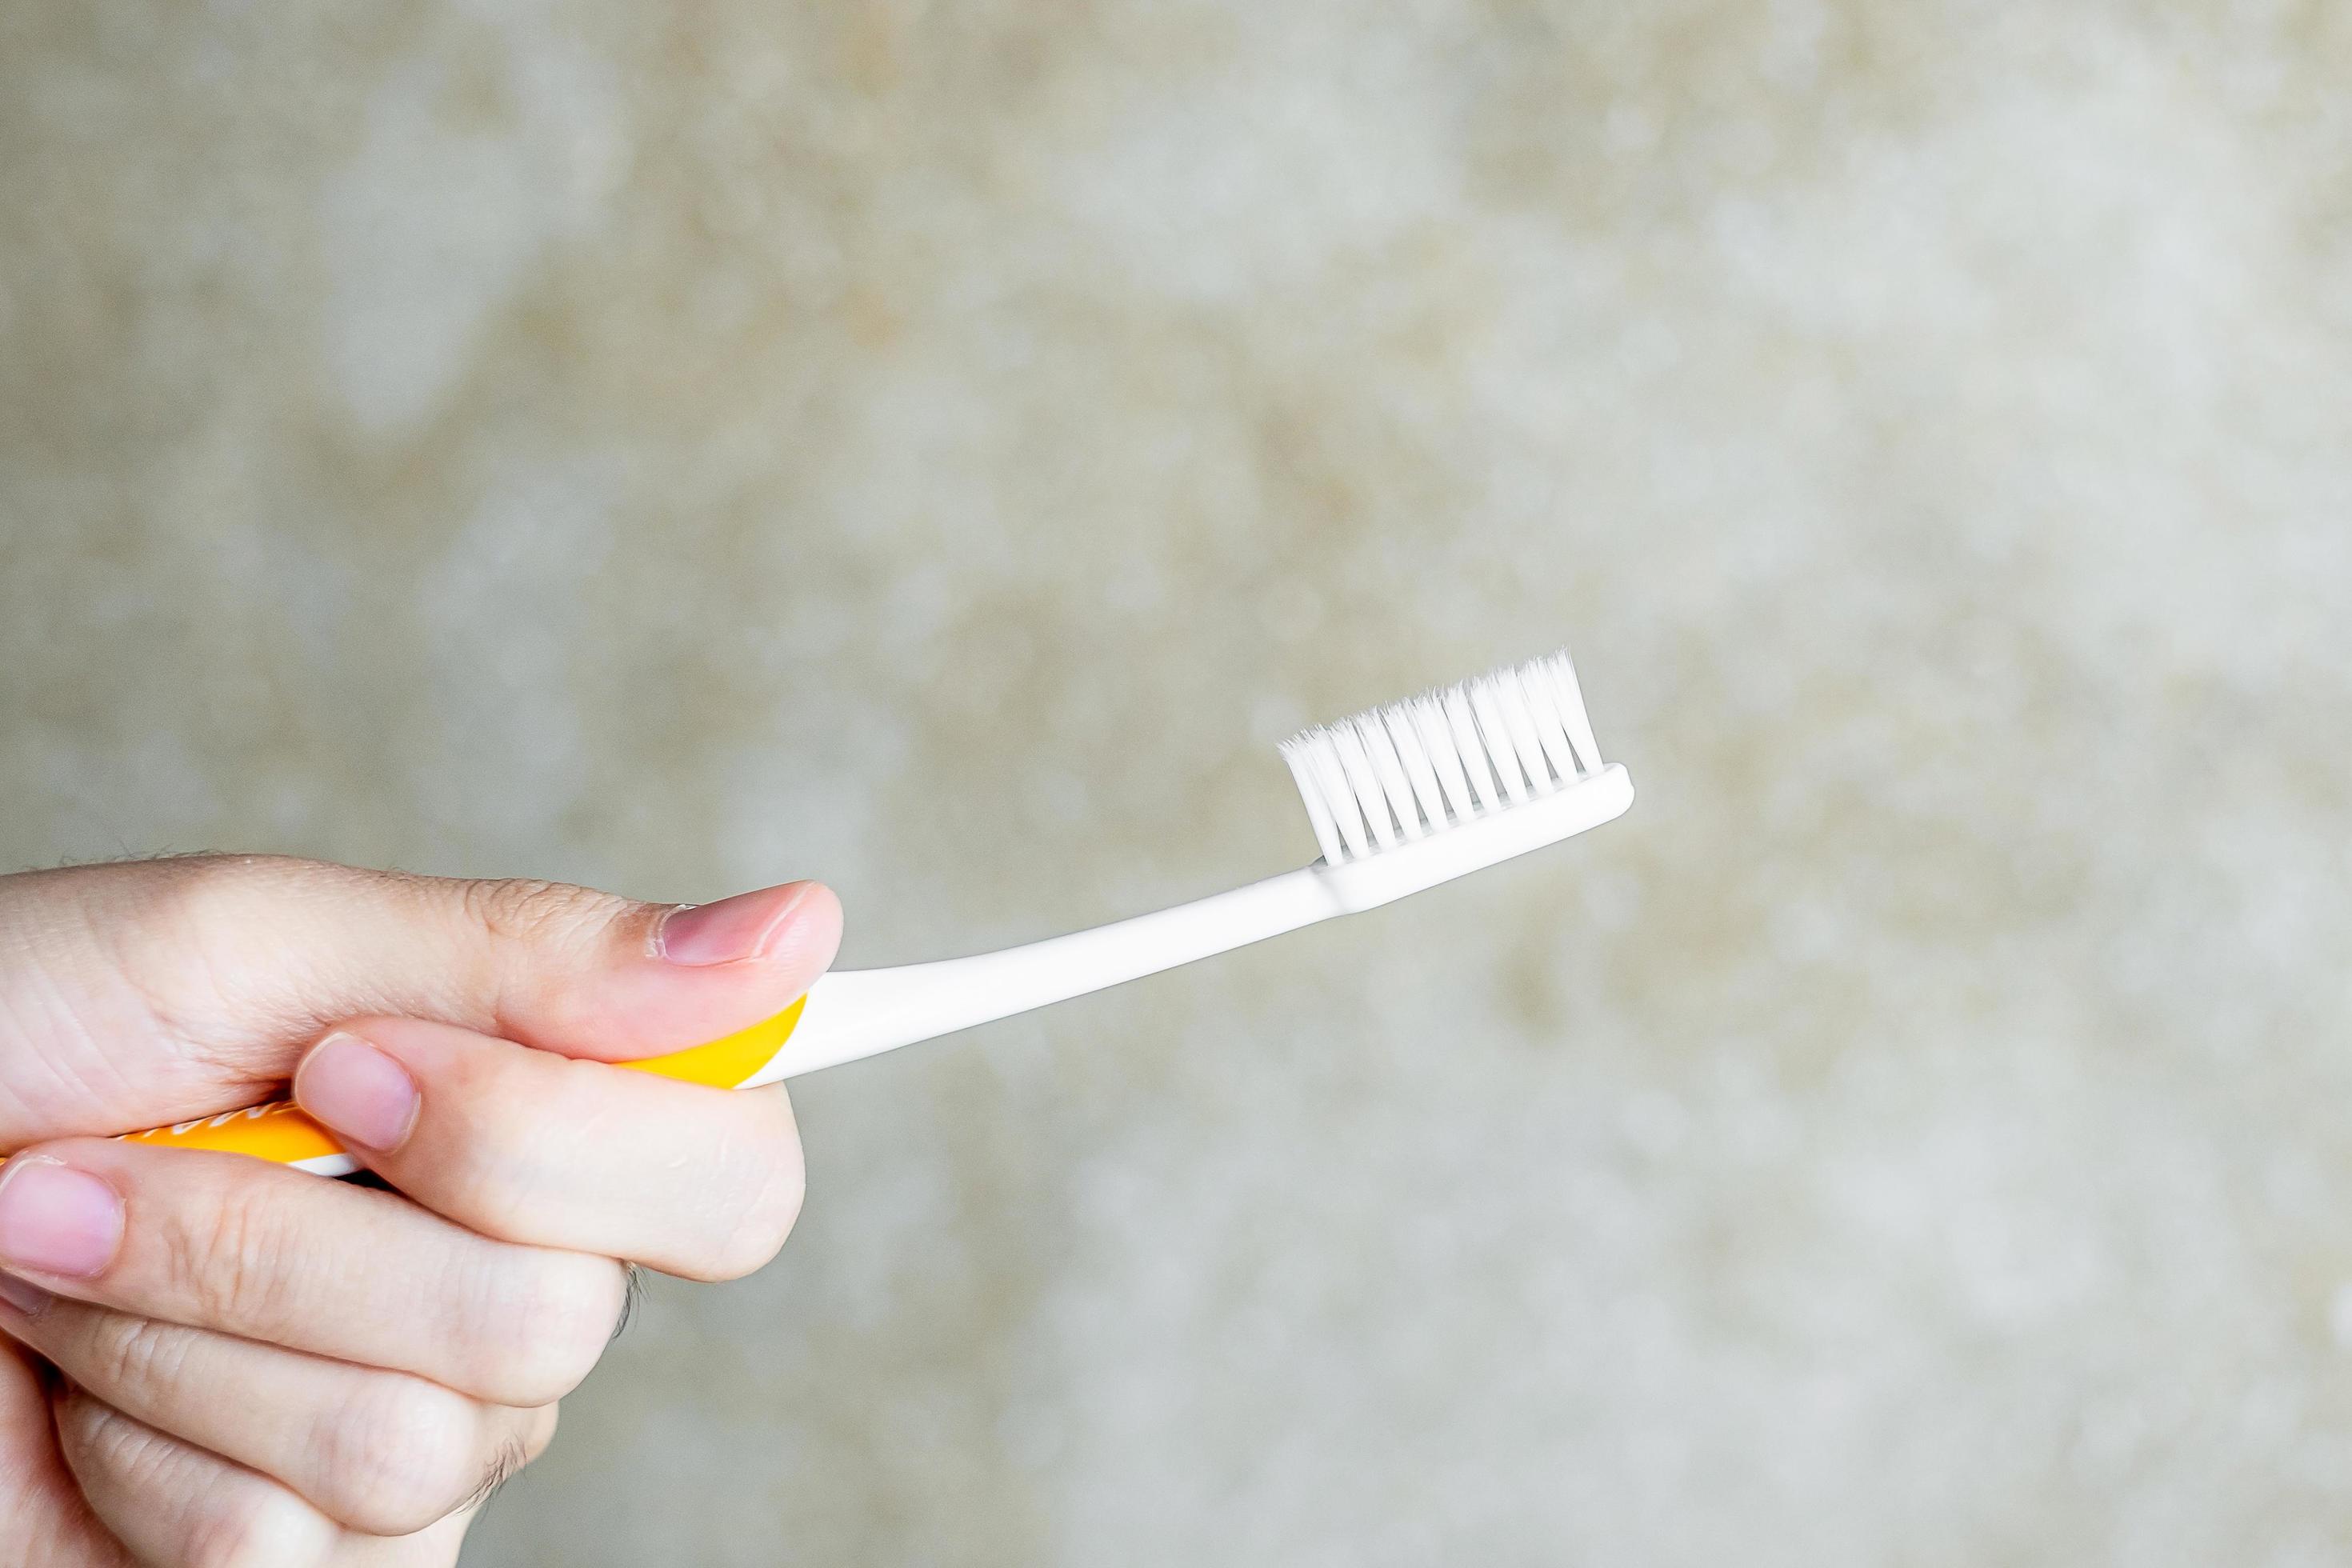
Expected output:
(1448, 757)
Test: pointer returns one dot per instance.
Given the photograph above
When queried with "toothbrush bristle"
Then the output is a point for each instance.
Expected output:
(1459, 754)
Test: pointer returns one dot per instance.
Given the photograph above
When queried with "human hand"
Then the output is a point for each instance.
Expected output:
(208, 1359)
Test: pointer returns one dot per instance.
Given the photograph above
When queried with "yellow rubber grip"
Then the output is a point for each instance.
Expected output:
(280, 1131)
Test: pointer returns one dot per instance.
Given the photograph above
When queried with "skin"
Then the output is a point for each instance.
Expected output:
(208, 1360)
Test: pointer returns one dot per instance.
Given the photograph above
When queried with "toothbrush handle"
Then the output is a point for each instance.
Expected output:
(281, 1132)
(850, 1014)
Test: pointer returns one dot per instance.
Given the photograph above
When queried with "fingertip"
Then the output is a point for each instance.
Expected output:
(57, 1219)
(813, 936)
(765, 924)
(685, 975)
(359, 1091)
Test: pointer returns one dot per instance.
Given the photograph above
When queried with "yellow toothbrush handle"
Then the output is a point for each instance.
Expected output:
(279, 1131)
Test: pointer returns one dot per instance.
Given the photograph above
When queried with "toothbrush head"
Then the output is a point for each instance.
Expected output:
(1413, 794)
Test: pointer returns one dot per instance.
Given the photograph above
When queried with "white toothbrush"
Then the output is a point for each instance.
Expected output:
(1402, 798)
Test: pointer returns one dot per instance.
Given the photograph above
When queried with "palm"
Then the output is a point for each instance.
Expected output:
(156, 1032)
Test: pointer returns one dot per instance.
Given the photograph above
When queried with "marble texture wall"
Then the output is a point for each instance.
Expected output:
(941, 448)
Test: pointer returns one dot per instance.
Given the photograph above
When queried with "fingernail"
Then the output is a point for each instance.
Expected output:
(55, 1219)
(732, 930)
(363, 1095)
(23, 1295)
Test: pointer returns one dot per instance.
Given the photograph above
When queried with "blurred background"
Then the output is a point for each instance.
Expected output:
(942, 449)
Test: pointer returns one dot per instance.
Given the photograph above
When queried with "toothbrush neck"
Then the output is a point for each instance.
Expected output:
(878, 1009)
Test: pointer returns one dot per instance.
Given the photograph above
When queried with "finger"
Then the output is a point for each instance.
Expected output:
(219, 1241)
(540, 1148)
(172, 1503)
(384, 1452)
(41, 1508)
(174, 989)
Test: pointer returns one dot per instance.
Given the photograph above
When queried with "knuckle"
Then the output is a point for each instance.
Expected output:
(189, 887)
(556, 1322)
(771, 1182)
(137, 1357)
(399, 1456)
(497, 1198)
(527, 911)
(111, 1442)
(230, 1254)
(193, 900)
(497, 1184)
(170, 944)
(497, 1165)
(238, 1526)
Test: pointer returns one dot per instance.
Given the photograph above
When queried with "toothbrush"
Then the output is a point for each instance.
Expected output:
(1401, 798)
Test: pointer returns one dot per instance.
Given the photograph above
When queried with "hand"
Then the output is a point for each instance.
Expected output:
(208, 1359)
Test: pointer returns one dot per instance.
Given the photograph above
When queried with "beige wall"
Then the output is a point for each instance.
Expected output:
(942, 449)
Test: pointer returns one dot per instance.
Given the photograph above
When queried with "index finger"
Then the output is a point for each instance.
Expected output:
(582, 1155)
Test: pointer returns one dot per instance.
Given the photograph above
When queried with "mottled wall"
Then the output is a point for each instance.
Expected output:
(941, 448)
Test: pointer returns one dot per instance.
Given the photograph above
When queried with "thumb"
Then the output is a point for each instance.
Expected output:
(152, 992)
